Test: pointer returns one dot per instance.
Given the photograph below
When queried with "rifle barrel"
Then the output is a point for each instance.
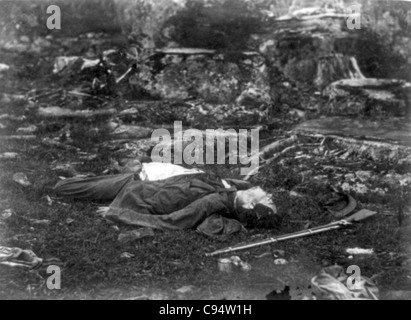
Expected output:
(296, 235)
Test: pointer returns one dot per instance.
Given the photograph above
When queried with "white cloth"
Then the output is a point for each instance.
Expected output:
(156, 171)
(161, 171)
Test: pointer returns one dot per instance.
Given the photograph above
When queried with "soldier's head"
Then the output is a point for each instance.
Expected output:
(256, 207)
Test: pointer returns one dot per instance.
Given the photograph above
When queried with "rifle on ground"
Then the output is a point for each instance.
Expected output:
(357, 217)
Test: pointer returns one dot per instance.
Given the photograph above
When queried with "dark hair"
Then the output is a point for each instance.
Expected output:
(261, 217)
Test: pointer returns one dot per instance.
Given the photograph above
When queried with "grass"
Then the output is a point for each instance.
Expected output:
(90, 254)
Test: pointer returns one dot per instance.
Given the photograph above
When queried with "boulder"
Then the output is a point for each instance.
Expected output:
(368, 97)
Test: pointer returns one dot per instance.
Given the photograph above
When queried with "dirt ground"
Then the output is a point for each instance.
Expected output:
(87, 249)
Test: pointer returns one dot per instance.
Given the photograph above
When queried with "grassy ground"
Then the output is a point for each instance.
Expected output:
(89, 253)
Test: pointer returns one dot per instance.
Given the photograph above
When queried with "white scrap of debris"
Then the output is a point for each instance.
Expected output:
(4, 67)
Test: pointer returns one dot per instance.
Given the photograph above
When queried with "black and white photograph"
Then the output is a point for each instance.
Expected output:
(216, 152)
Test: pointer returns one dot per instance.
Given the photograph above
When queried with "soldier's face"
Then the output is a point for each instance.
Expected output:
(256, 196)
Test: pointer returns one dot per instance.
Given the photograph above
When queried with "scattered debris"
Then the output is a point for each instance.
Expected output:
(62, 63)
(361, 136)
(54, 143)
(330, 285)
(127, 255)
(9, 156)
(40, 222)
(132, 132)
(277, 146)
(359, 251)
(48, 200)
(280, 262)
(12, 117)
(128, 112)
(16, 257)
(228, 265)
(70, 221)
(27, 130)
(225, 265)
(6, 214)
(4, 67)
(58, 112)
(134, 235)
(185, 290)
(274, 152)
(17, 138)
(21, 179)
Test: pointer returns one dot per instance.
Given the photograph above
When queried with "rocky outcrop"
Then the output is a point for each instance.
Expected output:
(369, 97)
(219, 78)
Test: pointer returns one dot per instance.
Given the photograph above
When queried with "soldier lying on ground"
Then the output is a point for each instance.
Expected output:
(166, 196)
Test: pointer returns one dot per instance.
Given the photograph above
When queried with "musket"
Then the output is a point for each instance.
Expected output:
(355, 218)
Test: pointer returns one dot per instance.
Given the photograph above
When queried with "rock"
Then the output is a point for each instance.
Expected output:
(317, 62)
(6, 214)
(132, 132)
(365, 176)
(280, 262)
(254, 98)
(406, 161)
(215, 79)
(27, 130)
(134, 235)
(388, 135)
(111, 126)
(146, 18)
(368, 96)
(65, 169)
(297, 113)
(21, 179)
